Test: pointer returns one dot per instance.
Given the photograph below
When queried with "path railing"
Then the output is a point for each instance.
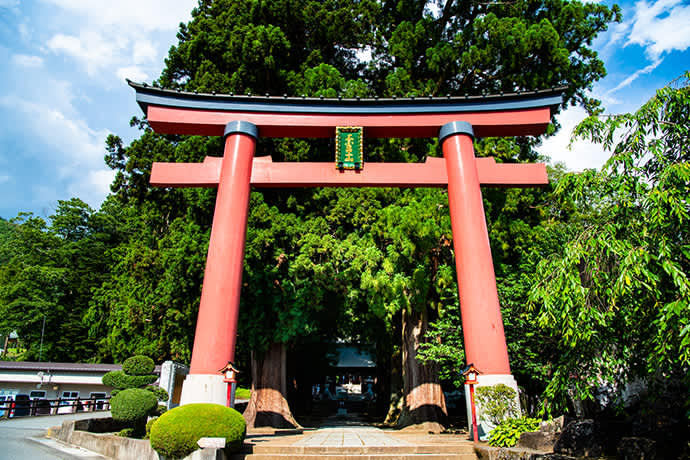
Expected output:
(29, 408)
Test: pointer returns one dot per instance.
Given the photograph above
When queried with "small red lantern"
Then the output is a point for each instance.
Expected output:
(471, 374)
(229, 372)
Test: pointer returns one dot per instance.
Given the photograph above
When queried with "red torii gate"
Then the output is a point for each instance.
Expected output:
(242, 118)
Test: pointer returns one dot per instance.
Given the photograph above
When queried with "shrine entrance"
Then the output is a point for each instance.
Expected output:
(241, 119)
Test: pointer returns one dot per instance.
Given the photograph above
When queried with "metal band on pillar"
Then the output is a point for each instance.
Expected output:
(241, 127)
(455, 127)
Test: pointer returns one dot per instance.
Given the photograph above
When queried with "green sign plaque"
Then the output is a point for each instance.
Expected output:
(349, 147)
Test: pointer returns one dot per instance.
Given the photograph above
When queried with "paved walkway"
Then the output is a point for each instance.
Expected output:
(23, 437)
(350, 436)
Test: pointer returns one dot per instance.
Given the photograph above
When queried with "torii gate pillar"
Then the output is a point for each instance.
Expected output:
(216, 327)
(482, 324)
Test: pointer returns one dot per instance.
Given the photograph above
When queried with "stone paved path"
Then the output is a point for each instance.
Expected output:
(350, 436)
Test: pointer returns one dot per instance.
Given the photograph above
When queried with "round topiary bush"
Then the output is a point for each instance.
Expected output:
(138, 365)
(149, 424)
(122, 381)
(175, 433)
(160, 393)
(132, 405)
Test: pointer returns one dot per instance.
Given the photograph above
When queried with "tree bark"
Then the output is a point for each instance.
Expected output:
(423, 403)
(268, 405)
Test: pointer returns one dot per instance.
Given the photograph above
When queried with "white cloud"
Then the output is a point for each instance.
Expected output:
(616, 33)
(631, 78)
(76, 151)
(70, 55)
(10, 4)
(112, 37)
(134, 73)
(582, 154)
(24, 31)
(92, 48)
(144, 52)
(24, 60)
(131, 14)
(93, 187)
(660, 27)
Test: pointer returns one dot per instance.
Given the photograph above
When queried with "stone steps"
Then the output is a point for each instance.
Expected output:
(356, 442)
(358, 457)
(356, 450)
(412, 452)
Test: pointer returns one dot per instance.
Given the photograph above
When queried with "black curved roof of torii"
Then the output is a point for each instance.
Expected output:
(147, 95)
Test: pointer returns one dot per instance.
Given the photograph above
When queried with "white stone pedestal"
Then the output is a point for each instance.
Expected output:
(204, 388)
(486, 380)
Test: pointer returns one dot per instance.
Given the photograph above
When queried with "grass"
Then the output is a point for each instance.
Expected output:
(242, 393)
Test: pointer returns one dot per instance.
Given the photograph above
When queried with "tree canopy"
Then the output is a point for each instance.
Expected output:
(615, 299)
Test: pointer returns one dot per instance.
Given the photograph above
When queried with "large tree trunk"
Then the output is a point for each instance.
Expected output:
(424, 403)
(395, 391)
(267, 405)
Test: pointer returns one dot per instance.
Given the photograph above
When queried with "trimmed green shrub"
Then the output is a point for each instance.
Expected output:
(122, 381)
(132, 405)
(243, 393)
(175, 433)
(497, 403)
(160, 393)
(132, 400)
(126, 432)
(507, 434)
(160, 410)
(138, 365)
(149, 424)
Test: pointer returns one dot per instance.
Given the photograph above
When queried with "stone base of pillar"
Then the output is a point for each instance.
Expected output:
(484, 427)
(204, 388)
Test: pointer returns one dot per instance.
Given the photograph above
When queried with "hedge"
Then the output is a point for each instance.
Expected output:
(122, 381)
(138, 365)
(132, 405)
(175, 433)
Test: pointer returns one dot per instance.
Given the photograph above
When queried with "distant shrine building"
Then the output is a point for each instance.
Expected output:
(242, 119)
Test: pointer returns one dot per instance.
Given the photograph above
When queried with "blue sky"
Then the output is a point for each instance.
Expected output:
(62, 89)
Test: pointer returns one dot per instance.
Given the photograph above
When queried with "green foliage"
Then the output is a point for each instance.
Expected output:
(160, 410)
(614, 301)
(497, 403)
(132, 405)
(449, 351)
(507, 434)
(48, 271)
(133, 399)
(149, 424)
(122, 381)
(160, 393)
(175, 434)
(243, 393)
(127, 433)
(138, 365)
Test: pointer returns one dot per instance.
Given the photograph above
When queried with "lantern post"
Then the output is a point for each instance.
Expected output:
(471, 373)
(229, 373)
